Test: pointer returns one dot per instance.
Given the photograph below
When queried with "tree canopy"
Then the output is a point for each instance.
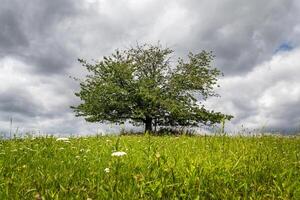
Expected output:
(144, 85)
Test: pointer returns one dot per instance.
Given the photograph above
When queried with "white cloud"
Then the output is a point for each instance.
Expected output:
(268, 96)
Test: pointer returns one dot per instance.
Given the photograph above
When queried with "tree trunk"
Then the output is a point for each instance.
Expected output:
(148, 124)
(155, 125)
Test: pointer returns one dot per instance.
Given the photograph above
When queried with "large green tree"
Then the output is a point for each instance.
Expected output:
(144, 85)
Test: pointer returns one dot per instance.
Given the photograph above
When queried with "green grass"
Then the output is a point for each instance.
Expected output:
(154, 167)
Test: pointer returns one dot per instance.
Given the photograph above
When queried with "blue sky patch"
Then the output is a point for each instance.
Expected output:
(284, 47)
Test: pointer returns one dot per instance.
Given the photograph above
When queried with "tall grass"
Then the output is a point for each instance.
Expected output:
(154, 168)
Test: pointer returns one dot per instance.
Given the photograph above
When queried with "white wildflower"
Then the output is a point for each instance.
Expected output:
(107, 170)
(62, 139)
(119, 153)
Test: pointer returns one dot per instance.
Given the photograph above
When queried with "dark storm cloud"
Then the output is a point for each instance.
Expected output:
(25, 103)
(17, 101)
(11, 36)
(51, 59)
(242, 34)
(29, 32)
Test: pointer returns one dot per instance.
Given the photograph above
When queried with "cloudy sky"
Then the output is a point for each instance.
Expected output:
(256, 44)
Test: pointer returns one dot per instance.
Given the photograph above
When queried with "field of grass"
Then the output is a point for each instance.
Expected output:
(153, 168)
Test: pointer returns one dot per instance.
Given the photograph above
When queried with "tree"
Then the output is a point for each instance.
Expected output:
(143, 85)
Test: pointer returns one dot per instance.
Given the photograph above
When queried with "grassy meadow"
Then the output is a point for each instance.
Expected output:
(199, 167)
